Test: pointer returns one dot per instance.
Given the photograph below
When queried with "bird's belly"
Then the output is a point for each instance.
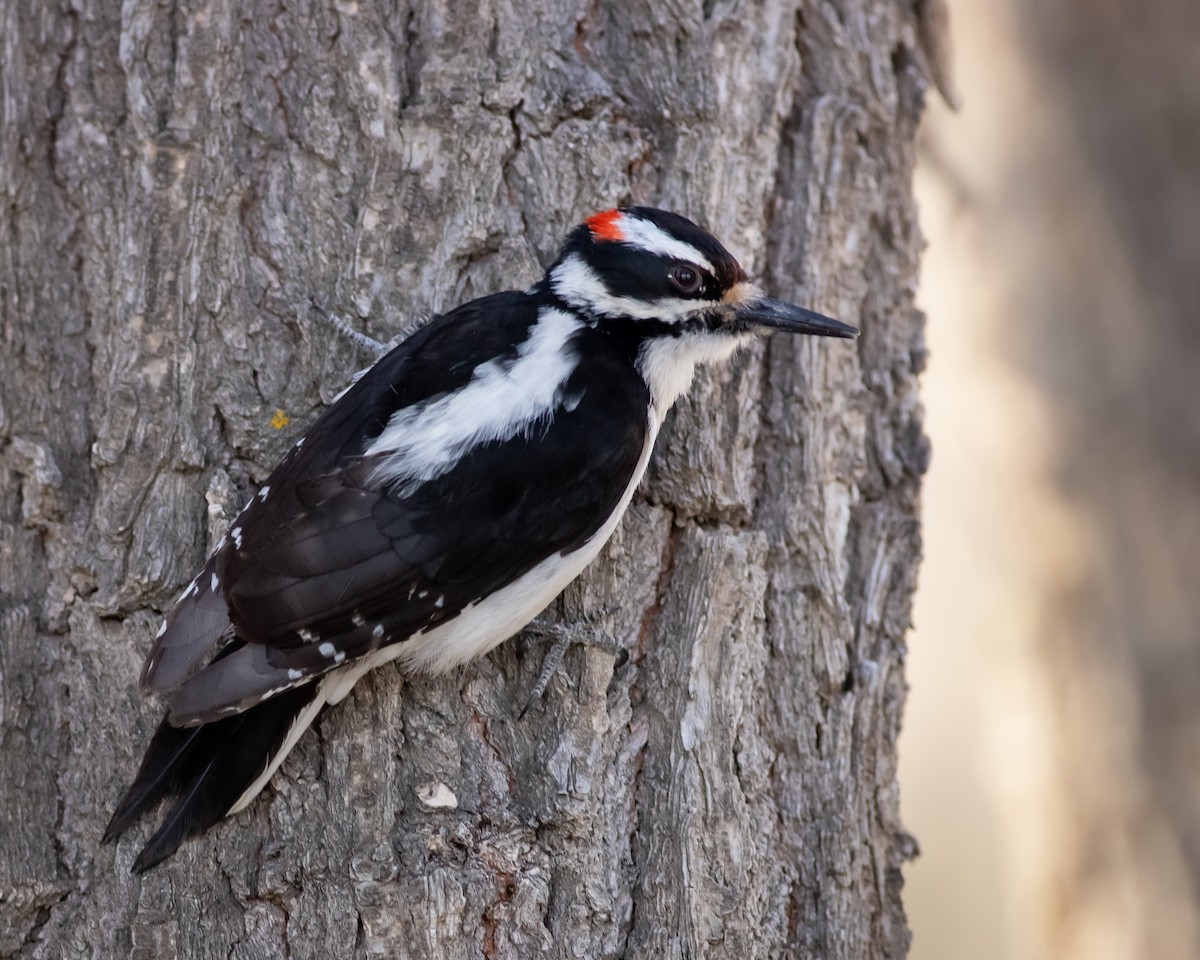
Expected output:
(484, 625)
(491, 621)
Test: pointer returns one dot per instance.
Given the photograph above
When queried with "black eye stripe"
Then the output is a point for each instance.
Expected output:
(637, 274)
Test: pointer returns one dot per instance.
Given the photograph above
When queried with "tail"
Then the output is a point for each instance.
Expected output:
(214, 769)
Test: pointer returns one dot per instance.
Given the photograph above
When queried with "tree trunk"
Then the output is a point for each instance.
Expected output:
(178, 182)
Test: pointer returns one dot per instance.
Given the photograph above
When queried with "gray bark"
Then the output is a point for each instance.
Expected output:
(178, 181)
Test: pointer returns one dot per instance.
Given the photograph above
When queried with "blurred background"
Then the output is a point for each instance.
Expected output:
(1050, 763)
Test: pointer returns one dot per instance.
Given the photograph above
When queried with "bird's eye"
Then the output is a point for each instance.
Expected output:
(685, 279)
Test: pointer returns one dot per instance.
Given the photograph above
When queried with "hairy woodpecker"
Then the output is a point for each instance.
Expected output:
(439, 504)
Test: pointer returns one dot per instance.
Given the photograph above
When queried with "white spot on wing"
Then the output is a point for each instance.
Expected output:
(236, 533)
(262, 494)
(306, 635)
(294, 675)
(483, 625)
(214, 582)
(378, 631)
(161, 630)
(571, 401)
(502, 400)
(326, 649)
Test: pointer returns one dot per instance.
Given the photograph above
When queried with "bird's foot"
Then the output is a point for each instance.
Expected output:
(587, 630)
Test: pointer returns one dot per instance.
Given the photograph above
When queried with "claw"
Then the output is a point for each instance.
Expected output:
(550, 664)
(582, 631)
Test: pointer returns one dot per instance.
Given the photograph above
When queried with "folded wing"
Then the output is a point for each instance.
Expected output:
(330, 562)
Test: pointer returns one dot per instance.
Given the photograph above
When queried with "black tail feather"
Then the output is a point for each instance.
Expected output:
(157, 777)
(208, 767)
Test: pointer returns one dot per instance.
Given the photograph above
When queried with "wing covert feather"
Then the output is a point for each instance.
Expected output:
(332, 563)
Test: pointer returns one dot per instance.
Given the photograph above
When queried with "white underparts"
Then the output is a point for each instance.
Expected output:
(485, 624)
(503, 399)
(478, 629)
(667, 364)
(494, 619)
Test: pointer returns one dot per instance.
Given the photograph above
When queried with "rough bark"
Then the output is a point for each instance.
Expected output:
(178, 181)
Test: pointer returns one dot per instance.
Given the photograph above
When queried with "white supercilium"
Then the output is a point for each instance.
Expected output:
(653, 239)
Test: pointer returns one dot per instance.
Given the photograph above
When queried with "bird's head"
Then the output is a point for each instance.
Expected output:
(668, 278)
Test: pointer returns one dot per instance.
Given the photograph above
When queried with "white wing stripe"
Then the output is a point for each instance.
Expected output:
(503, 400)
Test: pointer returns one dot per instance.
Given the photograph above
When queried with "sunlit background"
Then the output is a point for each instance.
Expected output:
(1051, 753)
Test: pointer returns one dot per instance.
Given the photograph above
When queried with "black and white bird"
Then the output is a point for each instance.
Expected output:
(439, 504)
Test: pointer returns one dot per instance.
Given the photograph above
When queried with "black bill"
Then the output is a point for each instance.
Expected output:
(777, 315)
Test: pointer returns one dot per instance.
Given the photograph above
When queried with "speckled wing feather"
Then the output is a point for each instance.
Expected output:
(329, 562)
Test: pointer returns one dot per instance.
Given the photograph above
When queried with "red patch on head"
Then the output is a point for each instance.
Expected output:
(606, 225)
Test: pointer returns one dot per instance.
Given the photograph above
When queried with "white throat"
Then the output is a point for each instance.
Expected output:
(667, 364)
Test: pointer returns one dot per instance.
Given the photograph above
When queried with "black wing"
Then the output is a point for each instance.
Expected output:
(328, 564)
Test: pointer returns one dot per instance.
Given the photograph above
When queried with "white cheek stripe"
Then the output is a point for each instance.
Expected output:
(501, 401)
(646, 235)
(577, 283)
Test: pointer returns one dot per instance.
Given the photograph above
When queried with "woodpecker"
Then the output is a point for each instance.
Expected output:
(442, 502)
